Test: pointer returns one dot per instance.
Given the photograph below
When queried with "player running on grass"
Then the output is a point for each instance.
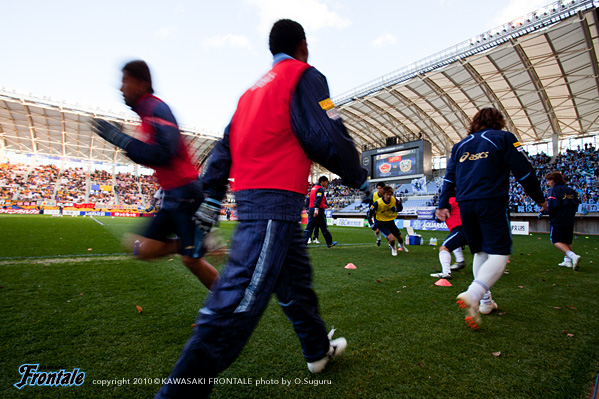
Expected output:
(282, 124)
(478, 172)
(161, 147)
(370, 215)
(385, 212)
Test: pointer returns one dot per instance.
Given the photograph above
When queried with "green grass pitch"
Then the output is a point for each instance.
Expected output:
(69, 296)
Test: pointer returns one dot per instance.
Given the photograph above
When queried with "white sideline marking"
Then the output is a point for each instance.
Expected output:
(97, 221)
(40, 260)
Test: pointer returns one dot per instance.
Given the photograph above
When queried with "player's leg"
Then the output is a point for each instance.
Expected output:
(322, 223)
(315, 235)
(445, 260)
(185, 228)
(458, 251)
(377, 234)
(203, 270)
(300, 304)
(472, 231)
(401, 242)
(392, 241)
(561, 238)
(154, 242)
(496, 243)
(397, 235)
(231, 313)
(459, 258)
(455, 240)
(312, 223)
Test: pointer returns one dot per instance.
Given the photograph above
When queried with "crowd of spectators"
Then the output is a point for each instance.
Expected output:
(11, 177)
(339, 196)
(72, 185)
(579, 167)
(149, 186)
(40, 183)
(101, 177)
(127, 189)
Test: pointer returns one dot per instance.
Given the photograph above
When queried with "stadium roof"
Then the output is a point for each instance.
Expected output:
(540, 71)
(43, 127)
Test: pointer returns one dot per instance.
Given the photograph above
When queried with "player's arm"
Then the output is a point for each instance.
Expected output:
(448, 188)
(168, 140)
(373, 209)
(215, 176)
(370, 216)
(399, 206)
(318, 127)
(318, 197)
(522, 169)
(552, 201)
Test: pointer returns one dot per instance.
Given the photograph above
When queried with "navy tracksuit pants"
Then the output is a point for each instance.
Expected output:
(320, 221)
(268, 256)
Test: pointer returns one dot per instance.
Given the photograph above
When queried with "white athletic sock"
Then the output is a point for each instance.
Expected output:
(487, 299)
(445, 259)
(570, 254)
(459, 255)
(479, 259)
(377, 235)
(492, 270)
(477, 289)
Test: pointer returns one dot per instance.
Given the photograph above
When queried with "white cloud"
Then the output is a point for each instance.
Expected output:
(384, 40)
(166, 32)
(312, 14)
(516, 9)
(228, 40)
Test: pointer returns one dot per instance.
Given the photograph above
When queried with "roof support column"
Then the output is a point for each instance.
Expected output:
(555, 142)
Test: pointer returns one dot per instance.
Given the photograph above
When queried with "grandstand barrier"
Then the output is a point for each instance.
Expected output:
(125, 214)
(587, 224)
(350, 222)
(20, 211)
(94, 213)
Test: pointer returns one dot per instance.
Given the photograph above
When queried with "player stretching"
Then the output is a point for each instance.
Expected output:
(385, 212)
(479, 171)
(161, 147)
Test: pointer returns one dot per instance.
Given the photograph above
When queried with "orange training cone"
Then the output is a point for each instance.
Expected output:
(443, 283)
(350, 266)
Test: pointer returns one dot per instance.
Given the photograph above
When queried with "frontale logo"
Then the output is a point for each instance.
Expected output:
(474, 157)
(31, 377)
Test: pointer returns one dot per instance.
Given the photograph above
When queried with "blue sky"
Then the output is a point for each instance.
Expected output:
(204, 54)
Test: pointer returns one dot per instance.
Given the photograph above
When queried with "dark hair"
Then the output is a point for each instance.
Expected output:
(555, 177)
(323, 178)
(285, 36)
(380, 184)
(388, 189)
(139, 70)
(487, 118)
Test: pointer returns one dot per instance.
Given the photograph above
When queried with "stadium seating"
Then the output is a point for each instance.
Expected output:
(45, 182)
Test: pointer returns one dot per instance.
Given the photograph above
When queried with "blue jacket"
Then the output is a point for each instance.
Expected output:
(322, 136)
(562, 204)
(480, 167)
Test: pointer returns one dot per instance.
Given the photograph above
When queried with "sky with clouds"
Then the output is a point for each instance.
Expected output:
(204, 54)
